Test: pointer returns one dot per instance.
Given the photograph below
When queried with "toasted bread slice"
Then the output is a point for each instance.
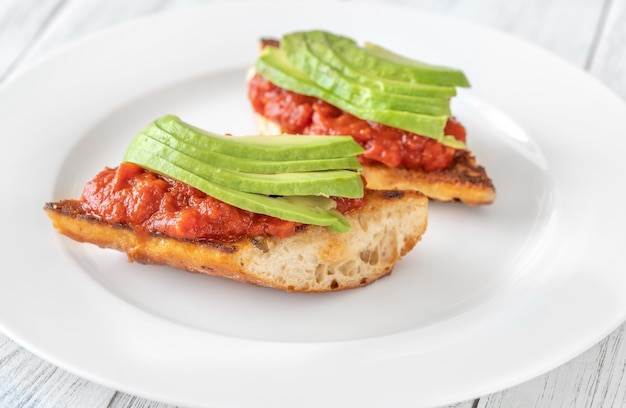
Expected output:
(313, 260)
(465, 180)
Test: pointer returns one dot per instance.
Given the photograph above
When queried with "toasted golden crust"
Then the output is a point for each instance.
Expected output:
(465, 180)
(313, 260)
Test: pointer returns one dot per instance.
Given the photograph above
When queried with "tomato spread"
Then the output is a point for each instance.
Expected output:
(301, 114)
(151, 203)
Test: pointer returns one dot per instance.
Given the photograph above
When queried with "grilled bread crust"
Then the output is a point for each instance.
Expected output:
(313, 260)
(465, 180)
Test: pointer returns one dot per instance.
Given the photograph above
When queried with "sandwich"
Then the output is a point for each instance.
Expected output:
(397, 109)
(288, 212)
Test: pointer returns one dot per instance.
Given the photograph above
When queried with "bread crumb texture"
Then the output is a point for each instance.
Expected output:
(319, 261)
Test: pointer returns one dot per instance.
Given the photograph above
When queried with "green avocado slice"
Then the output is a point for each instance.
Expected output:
(342, 183)
(291, 147)
(274, 65)
(386, 64)
(413, 70)
(307, 210)
(323, 49)
(320, 46)
(299, 48)
(200, 149)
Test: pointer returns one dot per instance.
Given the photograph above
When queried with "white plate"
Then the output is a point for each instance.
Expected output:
(492, 296)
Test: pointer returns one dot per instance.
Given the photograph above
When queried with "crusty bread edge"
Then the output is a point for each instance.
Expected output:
(464, 181)
(312, 260)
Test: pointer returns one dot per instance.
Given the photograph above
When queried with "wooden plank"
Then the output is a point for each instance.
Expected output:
(21, 21)
(564, 27)
(464, 404)
(28, 381)
(122, 400)
(608, 62)
(80, 18)
(597, 378)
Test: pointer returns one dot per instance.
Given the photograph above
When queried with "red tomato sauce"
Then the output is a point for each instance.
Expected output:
(301, 114)
(151, 203)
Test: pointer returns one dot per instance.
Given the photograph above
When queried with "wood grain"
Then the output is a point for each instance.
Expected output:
(594, 379)
(608, 59)
(27, 381)
(21, 22)
(564, 27)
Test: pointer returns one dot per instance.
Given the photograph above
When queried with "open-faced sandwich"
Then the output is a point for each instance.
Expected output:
(289, 212)
(316, 82)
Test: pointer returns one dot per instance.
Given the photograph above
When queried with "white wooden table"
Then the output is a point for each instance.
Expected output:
(589, 33)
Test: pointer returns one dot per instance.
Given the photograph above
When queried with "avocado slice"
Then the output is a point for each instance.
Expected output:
(386, 64)
(320, 45)
(200, 148)
(342, 183)
(412, 70)
(303, 50)
(291, 147)
(274, 65)
(308, 210)
(369, 78)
